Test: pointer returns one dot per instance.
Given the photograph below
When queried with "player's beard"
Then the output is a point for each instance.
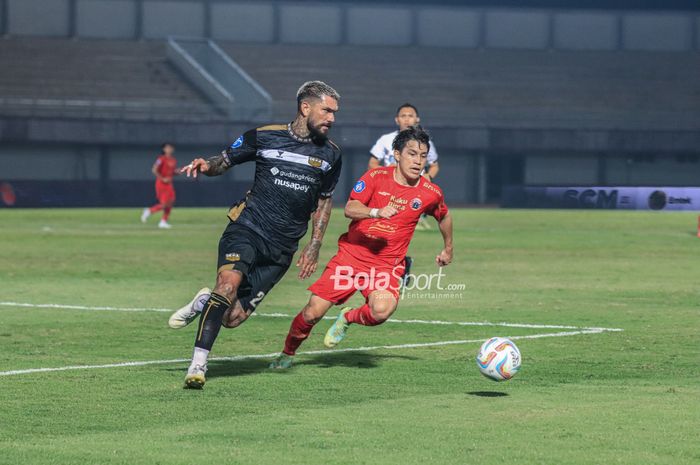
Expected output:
(315, 130)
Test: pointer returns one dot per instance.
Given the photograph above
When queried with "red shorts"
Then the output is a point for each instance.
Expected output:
(344, 275)
(165, 192)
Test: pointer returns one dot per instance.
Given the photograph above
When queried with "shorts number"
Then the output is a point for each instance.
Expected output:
(257, 299)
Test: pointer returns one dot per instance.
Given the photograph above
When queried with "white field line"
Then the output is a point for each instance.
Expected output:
(311, 352)
(284, 315)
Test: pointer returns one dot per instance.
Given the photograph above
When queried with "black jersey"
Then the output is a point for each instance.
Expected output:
(291, 174)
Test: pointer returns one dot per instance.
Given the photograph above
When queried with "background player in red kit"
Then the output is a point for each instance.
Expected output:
(385, 206)
(163, 169)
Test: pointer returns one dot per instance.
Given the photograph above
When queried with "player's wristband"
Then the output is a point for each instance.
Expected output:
(374, 213)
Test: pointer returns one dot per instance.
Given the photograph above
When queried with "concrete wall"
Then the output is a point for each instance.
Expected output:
(70, 164)
(455, 27)
(460, 177)
(109, 19)
(664, 32)
(651, 170)
(48, 162)
(561, 170)
(38, 17)
(368, 25)
(295, 20)
(361, 24)
(585, 31)
(517, 29)
(245, 22)
(163, 18)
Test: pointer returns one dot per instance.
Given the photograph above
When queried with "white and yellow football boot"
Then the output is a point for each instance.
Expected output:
(189, 312)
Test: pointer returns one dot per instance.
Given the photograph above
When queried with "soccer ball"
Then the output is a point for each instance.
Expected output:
(498, 359)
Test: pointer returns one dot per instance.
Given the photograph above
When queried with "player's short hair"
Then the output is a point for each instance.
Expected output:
(416, 133)
(406, 105)
(315, 90)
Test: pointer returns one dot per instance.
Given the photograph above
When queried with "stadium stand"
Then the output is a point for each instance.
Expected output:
(494, 88)
(98, 79)
(452, 87)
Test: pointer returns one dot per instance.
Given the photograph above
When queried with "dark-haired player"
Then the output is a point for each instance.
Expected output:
(164, 169)
(382, 154)
(296, 170)
(385, 206)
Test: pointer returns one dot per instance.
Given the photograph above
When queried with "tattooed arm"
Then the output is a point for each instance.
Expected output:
(308, 260)
(212, 166)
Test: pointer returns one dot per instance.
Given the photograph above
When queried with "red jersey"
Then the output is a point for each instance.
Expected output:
(386, 240)
(165, 166)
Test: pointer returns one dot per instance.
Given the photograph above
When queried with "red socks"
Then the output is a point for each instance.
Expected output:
(156, 208)
(361, 316)
(300, 329)
(298, 332)
(166, 213)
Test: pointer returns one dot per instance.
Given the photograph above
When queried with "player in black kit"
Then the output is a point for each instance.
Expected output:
(296, 170)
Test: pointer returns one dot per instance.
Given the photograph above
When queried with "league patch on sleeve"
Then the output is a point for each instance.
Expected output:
(359, 187)
(237, 143)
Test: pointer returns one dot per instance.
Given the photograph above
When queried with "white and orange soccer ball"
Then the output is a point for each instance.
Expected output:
(498, 359)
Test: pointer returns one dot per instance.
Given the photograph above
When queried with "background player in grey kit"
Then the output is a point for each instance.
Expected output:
(297, 168)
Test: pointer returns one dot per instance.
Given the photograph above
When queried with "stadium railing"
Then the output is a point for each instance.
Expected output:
(220, 78)
(109, 109)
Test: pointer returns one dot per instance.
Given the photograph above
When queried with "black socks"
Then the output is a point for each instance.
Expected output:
(210, 321)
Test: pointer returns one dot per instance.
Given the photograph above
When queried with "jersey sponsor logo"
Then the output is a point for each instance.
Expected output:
(237, 143)
(398, 203)
(232, 257)
(297, 176)
(382, 227)
(377, 171)
(292, 185)
(359, 186)
(289, 174)
(315, 162)
(416, 203)
(428, 185)
(383, 193)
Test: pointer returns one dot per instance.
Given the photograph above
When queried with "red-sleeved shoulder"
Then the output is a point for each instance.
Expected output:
(364, 187)
(438, 208)
(380, 172)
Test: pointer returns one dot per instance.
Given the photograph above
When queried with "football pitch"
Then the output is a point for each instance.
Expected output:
(604, 306)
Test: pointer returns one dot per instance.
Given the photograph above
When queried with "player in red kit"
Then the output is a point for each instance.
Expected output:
(163, 169)
(385, 206)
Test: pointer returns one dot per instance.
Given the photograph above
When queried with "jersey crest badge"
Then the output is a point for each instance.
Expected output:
(416, 203)
(315, 162)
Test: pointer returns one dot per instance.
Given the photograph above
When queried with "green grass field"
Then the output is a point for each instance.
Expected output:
(629, 397)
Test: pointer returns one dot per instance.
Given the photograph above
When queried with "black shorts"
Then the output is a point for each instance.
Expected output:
(261, 264)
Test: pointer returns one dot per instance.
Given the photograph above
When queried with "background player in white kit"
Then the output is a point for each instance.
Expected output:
(381, 152)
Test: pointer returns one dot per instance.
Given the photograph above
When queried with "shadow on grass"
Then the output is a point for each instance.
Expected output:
(364, 360)
(488, 394)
